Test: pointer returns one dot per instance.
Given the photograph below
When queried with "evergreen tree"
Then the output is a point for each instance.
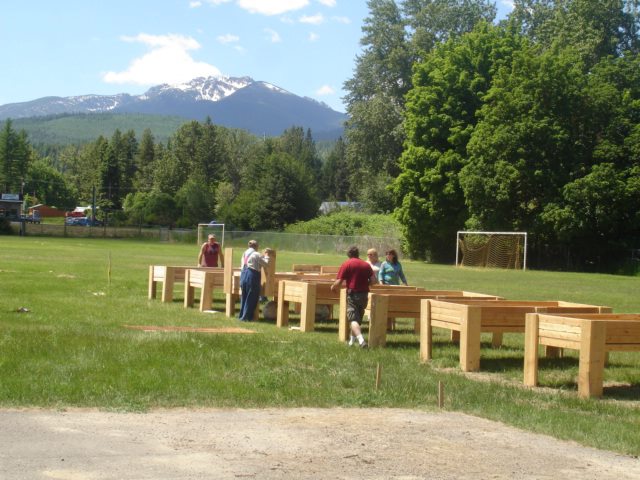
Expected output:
(335, 174)
(15, 156)
(145, 162)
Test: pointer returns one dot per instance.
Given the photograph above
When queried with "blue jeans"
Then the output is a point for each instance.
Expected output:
(250, 286)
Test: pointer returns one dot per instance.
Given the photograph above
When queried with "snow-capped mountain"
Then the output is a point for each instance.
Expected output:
(201, 88)
(235, 102)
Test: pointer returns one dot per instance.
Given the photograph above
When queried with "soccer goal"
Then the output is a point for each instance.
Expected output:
(492, 249)
(204, 229)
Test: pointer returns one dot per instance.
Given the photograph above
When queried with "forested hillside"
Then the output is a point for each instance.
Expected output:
(202, 171)
(83, 128)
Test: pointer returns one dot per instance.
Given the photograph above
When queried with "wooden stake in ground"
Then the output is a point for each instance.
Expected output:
(109, 270)
(440, 394)
(378, 376)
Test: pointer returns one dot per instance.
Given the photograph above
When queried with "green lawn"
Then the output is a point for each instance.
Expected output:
(71, 347)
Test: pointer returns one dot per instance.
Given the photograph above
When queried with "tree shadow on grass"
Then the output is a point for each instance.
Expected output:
(403, 345)
(501, 364)
(612, 390)
(622, 392)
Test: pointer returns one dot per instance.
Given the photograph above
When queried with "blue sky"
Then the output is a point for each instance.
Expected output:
(77, 47)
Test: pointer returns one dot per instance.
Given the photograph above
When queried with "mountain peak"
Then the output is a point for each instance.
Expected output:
(202, 88)
(235, 102)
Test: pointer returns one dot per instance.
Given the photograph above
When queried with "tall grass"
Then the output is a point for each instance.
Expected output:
(72, 348)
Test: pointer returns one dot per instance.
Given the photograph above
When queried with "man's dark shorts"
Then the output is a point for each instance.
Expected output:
(356, 303)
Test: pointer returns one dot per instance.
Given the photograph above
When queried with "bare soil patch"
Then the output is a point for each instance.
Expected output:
(288, 443)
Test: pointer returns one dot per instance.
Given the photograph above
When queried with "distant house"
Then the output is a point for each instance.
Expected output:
(44, 211)
(11, 205)
(78, 212)
(327, 207)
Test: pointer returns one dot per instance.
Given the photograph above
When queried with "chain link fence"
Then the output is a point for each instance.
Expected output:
(294, 242)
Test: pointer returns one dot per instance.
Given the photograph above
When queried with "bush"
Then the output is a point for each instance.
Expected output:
(5, 226)
(345, 222)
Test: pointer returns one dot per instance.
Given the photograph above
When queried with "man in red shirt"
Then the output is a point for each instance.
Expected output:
(209, 253)
(358, 275)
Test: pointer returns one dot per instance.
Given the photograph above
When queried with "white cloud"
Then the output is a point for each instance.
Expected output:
(325, 90)
(345, 20)
(228, 38)
(313, 36)
(273, 35)
(195, 4)
(217, 2)
(328, 3)
(167, 62)
(271, 7)
(316, 19)
(508, 4)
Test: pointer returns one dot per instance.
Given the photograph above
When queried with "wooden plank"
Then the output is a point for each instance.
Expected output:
(561, 328)
(208, 281)
(531, 349)
(228, 271)
(343, 328)
(329, 269)
(305, 267)
(626, 347)
(189, 291)
(426, 331)
(167, 285)
(623, 332)
(268, 277)
(308, 308)
(470, 340)
(152, 282)
(282, 316)
(378, 320)
(592, 358)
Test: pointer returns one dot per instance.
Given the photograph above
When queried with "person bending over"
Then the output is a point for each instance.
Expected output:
(250, 267)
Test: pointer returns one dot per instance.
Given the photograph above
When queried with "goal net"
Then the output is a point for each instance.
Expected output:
(492, 249)
(204, 229)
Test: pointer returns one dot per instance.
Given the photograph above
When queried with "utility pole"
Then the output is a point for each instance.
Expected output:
(93, 207)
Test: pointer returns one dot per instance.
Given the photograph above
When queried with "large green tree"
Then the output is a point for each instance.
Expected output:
(279, 191)
(395, 36)
(335, 174)
(449, 89)
(509, 127)
(48, 186)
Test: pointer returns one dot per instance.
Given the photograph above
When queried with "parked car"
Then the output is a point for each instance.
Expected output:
(82, 221)
(30, 218)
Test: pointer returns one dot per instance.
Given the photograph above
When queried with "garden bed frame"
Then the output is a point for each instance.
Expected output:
(470, 318)
(592, 335)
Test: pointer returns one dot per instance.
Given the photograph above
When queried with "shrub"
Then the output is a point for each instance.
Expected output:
(5, 226)
(345, 222)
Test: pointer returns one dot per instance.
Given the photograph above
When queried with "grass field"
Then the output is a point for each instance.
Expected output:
(71, 348)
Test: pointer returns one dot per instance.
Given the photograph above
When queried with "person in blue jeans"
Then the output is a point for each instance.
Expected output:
(390, 272)
(252, 262)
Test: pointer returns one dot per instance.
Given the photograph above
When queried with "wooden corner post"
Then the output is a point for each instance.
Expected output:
(531, 339)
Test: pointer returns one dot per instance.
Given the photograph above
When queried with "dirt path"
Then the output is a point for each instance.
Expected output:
(288, 444)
